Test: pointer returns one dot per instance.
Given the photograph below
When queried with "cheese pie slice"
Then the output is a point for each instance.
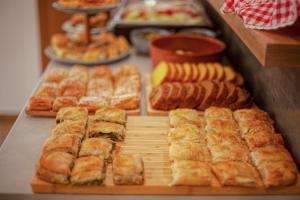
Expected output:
(189, 151)
(70, 127)
(223, 138)
(92, 103)
(255, 126)
(55, 167)
(110, 114)
(194, 173)
(88, 170)
(230, 173)
(39, 103)
(248, 115)
(62, 102)
(220, 113)
(68, 143)
(96, 147)
(185, 116)
(237, 152)
(71, 113)
(128, 169)
(128, 101)
(110, 130)
(219, 125)
(186, 133)
(262, 138)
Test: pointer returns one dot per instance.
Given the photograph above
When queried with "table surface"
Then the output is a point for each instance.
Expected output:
(21, 149)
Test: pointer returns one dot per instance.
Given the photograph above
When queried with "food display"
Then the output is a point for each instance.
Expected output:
(104, 47)
(223, 153)
(90, 88)
(96, 21)
(86, 3)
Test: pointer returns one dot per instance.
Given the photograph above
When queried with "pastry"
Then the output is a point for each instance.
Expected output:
(110, 114)
(220, 113)
(128, 101)
(220, 125)
(185, 116)
(262, 138)
(76, 127)
(56, 74)
(236, 152)
(39, 103)
(247, 127)
(101, 71)
(110, 130)
(189, 151)
(128, 170)
(71, 113)
(193, 173)
(93, 103)
(97, 147)
(222, 138)
(55, 167)
(185, 133)
(248, 115)
(50, 90)
(62, 102)
(88, 170)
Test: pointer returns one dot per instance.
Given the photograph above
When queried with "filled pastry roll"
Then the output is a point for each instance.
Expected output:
(126, 101)
(88, 170)
(231, 173)
(189, 151)
(71, 113)
(70, 127)
(110, 130)
(56, 74)
(128, 170)
(55, 167)
(92, 103)
(185, 116)
(110, 114)
(97, 147)
(39, 103)
(62, 102)
(50, 90)
(193, 173)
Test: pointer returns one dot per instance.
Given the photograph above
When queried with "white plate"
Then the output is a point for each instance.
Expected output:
(51, 54)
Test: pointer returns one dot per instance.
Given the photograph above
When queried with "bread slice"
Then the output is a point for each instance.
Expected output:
(181, 72)
(196, 73)
(244, 100)
(220, 71)
(188, 72)
(232, 95)
(211, 71)
(172, 72)
(203, 74)
(191, 92)
(211, 91)
(181, 93)
(172, 98)
(222, 94)
(239, 81)
(160, 74)
(230, 74)
(158, 96)
(199, 98)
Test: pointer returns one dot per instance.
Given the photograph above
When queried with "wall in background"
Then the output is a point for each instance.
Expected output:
(19, 53)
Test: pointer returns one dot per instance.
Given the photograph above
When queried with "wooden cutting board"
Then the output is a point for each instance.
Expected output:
(147, 136)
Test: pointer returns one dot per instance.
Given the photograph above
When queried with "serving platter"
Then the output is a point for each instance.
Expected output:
(147, 136)
(51, 54)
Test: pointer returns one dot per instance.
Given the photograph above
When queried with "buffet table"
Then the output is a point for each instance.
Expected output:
(21, 149)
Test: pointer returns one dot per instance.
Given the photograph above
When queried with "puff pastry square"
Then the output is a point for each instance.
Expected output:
(255, 126)
(62, 102)
(237, 152)
(109, 130)
(68, 143)
(187, 133)
(248, 115)
(88, 170)
(128, 101)
(56, 74)
(270, 153)
(39, 103)
(223, 138)
(71, 113)
(232, 173)
(189, 151)
(96, 147)
(278, 173)
(220, 113)
(55, 167)
(50, 90)
(70, 127)
(185, 116)
(101, 71)
(110, 114)
(218, 125)
(93, 103)
(187, 172)
(128, 169)
(262, 138)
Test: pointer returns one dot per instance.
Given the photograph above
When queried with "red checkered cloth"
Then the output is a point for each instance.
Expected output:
(264, 14)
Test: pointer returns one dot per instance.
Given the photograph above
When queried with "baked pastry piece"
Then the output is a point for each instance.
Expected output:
(185, 116)
(71, 113)
(220, 125)
(236, 152)
(100, 87)
(72, 87)
(220, 113)
(56, 74)
(262, 138)
(96, 147)
(128, 169)
(68, 143)
(70, 127)
(247, 127)
(128, 101)
(270, 153)
(62, 102)
(248, 115)
(55, 167)
(93, 103)
(223, 138)
(278, 173)
(101, 71)
(39, 103)
(50, 90)
(187, 172)
(230, 173)
(88, 170)
(110, 114)
(185, 133)
(110, 130)
(189, 151)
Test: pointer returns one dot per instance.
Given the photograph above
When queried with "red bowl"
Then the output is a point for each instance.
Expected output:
(186, 48)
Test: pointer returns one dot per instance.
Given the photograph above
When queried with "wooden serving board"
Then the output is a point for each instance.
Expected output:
(147, 136)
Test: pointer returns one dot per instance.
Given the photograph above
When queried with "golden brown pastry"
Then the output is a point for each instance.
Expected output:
(185, 116)
(56, 74)
(248, 115)
(110, 114)
(88, 170)
(128, 170)
(247, 127)
(128, 101)
(76, 127)
(93, 103)
(101, 71)
(223, 138)
(71, 113)
(219, 125)
(55, 167)
(50, 90)
(194, 173)
(68, 143)
(262, 138)
(185, 133)
(230, 173)
(189, 151)
(237, 152)
(39, 103)
(110, 130)
(220, 113)
(62, 102)
(72, 87)
(96, 147)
